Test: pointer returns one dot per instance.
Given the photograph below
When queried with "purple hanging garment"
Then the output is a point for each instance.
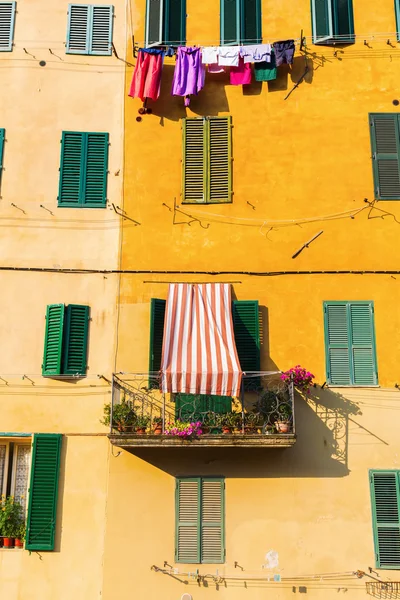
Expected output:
(189, 73)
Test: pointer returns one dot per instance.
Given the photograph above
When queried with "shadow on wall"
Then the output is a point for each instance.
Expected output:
(320, 451)
(212, 99)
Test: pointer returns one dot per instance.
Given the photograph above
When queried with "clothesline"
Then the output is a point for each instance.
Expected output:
(308, 38)
(191, 61)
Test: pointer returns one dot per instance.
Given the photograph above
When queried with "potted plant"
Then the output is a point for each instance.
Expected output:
(252, 421)
(123, 416)
(10, 518)
(283, 421)
(211, 423)
(157, 425)
(227, 421)
(183, 429)
(301, 378)
(20, 532)
(142, 422)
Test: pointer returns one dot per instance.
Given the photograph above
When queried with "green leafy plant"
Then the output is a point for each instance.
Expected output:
(284, 413)
(157, 420)
(123, 416)
(229, 419)
(20, 531)
(11, 516)
(253, 419)
(142, 421)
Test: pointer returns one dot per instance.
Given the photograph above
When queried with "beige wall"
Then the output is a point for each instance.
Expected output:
(81, 93)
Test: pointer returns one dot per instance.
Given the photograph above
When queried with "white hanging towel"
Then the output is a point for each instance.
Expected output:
(209, 55)
(256, 53)
(228, 56)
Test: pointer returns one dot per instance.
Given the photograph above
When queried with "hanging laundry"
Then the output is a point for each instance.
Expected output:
(228, 56)
(216, 69)
(209, 55)
(146, 78)
(256, 53)
(266, 71)
(189, 73)
(284, 52)
(241, 75)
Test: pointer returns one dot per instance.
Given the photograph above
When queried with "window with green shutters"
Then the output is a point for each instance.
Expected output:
(165, 23)
(66, 340)
(240, 22)
(190, 407)
(2, 138)
(350, 343)
(83, 170)
(90, 28)
(332, 22)
(385, 500)
(43, 492)
(385, 142)
(207, 160)
(246, 327)
(200, 520)
(7, 22)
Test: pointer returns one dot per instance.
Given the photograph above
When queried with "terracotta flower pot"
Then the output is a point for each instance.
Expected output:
(282, 427)
(158, 430)
(141, 430)
(226, 429)
(8, 542)
(19, 543)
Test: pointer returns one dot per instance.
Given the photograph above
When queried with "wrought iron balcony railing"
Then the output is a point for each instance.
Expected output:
(141, 415)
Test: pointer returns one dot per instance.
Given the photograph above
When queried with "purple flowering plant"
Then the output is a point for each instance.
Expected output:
(302, 379)
(184, 430)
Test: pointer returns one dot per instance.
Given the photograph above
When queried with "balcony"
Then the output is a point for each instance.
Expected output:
(141, 416)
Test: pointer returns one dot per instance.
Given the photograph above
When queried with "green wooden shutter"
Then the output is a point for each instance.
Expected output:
(76, 339)
(154, 23)
(157, 315)
(250, 22)
(43, 492)
(188, 520)
(343, 21)
(7, 22)
(247, 333)
(337, 344)
(195, 406)
(322, 21)
(95, 174)
(71, 169)
(78, 29)
(230, 22)
(219, 175)
(385, 141)
(53, 340)
(194, 160)
(2, 138)
(332, 22)
(397, 10)
(385, 499)
(212, 520)
(101, 30)
(361, 316)
(175, 22)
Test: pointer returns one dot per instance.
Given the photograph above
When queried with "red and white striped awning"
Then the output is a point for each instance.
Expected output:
(199, 352)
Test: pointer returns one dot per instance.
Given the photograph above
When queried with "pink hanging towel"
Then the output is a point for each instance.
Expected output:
(146, 78)
(241, 75)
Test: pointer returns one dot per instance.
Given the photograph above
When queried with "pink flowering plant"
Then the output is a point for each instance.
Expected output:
(302, 379)
(184, 430)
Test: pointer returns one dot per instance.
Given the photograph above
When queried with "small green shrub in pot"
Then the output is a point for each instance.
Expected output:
(123, 417)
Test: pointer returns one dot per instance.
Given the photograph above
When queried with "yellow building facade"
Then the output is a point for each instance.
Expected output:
(297, 516)
(297, 519)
